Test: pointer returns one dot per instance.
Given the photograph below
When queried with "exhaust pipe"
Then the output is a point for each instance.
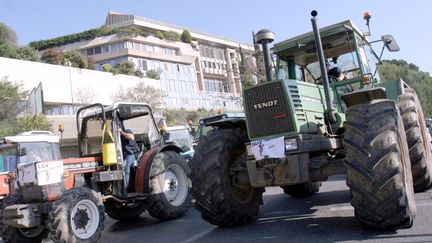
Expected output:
(330, 113)
(264, 37)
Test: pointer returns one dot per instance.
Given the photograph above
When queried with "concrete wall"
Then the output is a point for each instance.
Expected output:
(61, 84)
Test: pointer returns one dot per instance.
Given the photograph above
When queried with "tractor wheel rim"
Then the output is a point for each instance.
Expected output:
(31, 232)
(175, 185)
(84, 219)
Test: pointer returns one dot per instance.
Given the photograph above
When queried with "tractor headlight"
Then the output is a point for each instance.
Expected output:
(291, 144)
(249, 150)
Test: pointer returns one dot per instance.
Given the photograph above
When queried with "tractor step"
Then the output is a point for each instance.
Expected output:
(113, 175)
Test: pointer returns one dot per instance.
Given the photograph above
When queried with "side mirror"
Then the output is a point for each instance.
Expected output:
(390, 43)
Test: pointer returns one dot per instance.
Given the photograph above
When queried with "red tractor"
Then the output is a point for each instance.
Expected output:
(66, 200)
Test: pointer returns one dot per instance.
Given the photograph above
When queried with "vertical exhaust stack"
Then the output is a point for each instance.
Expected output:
(330, 113)
(264, 37)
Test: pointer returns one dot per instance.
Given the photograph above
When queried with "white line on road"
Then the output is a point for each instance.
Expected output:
(199, 235)
(342, 208)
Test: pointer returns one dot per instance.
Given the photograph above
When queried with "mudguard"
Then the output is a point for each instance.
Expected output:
(145, 164)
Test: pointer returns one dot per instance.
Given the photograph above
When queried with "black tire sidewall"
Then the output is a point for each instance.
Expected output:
(59, 218)
(12, 234)
(158, 206)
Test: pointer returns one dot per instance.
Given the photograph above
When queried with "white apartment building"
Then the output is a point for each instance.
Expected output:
(202, 74)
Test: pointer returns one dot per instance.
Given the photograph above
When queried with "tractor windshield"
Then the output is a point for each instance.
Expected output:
(181, 137)
(297, 57)
(347, 63)
(39, 151)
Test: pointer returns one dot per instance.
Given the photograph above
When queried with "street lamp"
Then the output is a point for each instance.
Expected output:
(70, 85)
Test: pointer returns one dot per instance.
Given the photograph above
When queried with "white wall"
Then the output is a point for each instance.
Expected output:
(56, 80)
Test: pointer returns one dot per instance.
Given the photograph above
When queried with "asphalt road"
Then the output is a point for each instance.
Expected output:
(324, 217)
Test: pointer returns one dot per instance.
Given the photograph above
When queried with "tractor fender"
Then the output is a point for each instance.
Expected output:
(145, 164)
(364, 95)
(229, 123)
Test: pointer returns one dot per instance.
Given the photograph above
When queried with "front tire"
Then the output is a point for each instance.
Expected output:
(168, 185)
(378, 166)
(11, 234)
(77, 216)
(418, 140)
(219, 201)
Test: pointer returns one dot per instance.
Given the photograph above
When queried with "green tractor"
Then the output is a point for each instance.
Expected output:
(308, 124)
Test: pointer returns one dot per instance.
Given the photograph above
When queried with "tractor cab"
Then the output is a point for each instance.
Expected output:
(19, 153)
(137, 117)
(350, 61)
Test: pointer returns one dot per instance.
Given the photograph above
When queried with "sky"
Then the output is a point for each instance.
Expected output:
(408, 21)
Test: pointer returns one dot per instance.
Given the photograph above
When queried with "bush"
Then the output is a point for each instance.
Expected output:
(106, 67)
(7, 35)
(186, 37)
(159, 35)
(52, 56)
(8, 50)
(29, 54)
(75, 59)
(128, 68)
(171, 36)
(153, 74)
(31, 123)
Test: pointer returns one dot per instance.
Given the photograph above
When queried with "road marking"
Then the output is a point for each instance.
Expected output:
(348, 207)
(199, 235)
(341, 208)
(424, 204)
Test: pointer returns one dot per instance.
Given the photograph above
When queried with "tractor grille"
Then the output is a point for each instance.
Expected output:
(268, 111)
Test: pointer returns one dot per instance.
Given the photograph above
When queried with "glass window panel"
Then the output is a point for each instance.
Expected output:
(90, 52)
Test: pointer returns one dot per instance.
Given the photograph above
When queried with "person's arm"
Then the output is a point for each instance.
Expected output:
(128, 136)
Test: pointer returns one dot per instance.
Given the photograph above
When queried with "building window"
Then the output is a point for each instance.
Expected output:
(90, 52)
(97, 50)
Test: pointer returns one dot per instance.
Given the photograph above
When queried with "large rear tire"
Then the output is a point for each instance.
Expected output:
(304, 189)
(378, 165)
(124, 212)
(169, 186)
(219, 201)
(11, 234)
(418, 140)
(77, 216)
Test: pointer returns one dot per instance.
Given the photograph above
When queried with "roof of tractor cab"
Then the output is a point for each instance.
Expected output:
(221, 116)
(302, 48)
(32, 136)
(132, 107)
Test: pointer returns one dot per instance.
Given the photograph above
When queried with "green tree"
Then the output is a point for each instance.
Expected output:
(52, 56)
(186, 37)
(420, 81)
(106, 67)
(91, 63)
(159, 35)
(31, 123)
(153, 74)
(75, 59)
(128, 68)
(171, 35)
(140, 93)
(8, 50)
(11, 96)
(29, 54)
(7, 35)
